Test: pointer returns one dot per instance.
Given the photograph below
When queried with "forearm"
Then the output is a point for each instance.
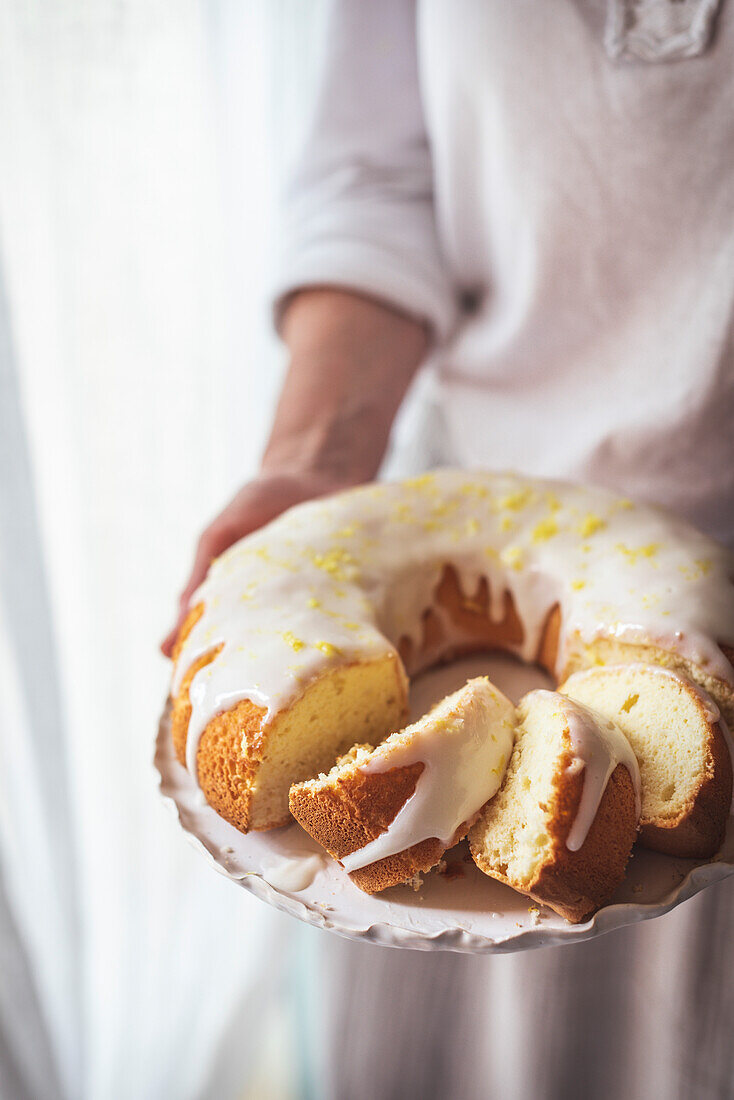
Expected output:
(351, 362)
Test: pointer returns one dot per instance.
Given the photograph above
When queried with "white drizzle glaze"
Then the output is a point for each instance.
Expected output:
(344, 578)
(598, 746)
(465, 744)
(295, 873)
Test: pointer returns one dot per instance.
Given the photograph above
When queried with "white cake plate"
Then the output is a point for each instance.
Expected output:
(459, 909)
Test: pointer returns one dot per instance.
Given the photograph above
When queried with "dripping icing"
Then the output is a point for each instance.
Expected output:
(464, 744)
(598, 746)
(349, 576)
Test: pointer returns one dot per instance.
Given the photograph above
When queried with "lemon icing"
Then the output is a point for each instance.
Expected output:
(347, 577)
(464, 744)
(598, 746)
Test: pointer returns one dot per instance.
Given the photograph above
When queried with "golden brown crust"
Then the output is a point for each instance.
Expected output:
(699, 830)
(231, 749)
(226, 773)
(181, 711)
(471, 614)
(187, 626)
(356, 808)
(576, 884)
(226, 776)
(550, 637)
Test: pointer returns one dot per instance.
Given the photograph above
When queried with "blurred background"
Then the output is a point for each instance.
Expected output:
(142, 148)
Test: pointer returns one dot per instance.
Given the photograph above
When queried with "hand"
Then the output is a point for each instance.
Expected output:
(352, 359)
(255, 504)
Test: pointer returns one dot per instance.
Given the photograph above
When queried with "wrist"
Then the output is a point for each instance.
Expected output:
(337, 436)
(352, 359)
(319, 474)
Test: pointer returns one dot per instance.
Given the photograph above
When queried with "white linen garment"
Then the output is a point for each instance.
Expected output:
(492, 154)
(562, 213)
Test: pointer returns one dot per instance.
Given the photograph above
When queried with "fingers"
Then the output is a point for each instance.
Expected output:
(214, 541)
(170, 639)
(255, 504)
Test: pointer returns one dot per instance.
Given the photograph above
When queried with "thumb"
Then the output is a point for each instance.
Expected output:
(213, 542)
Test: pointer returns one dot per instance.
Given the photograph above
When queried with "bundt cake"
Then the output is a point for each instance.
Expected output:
(390, 813)
(300, 641)
(563, 823)
(677, 735)
(246, 764)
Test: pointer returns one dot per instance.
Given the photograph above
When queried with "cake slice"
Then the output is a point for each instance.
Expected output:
(245, 769)
(388, 814)
(563, 823)
(681, 745)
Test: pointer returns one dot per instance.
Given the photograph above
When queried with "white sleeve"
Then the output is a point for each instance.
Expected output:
(359, 209)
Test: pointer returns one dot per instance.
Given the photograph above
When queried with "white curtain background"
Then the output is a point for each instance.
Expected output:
(142, 146)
